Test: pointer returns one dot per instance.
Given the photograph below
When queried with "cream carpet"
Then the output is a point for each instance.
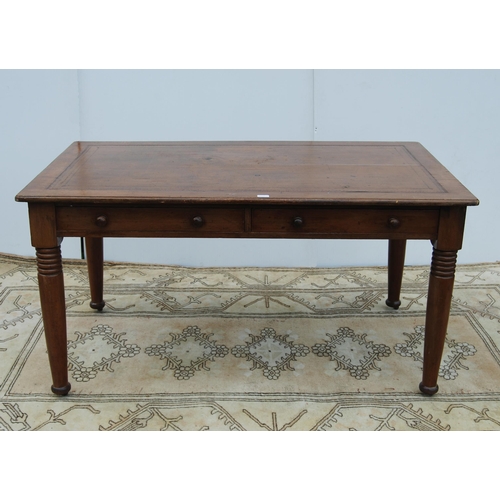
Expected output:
(256, 349)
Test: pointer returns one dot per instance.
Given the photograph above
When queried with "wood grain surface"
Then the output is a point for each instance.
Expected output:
(247, 172)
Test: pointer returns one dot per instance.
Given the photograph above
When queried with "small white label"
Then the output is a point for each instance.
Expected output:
(262, 196)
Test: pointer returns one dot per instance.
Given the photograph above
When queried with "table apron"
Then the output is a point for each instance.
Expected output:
(248, 222)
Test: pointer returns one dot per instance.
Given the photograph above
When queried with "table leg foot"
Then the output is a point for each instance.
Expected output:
(429, 391)
(397, 250)
(51, 285)
(438, 311)
(394, 304)
(99, 306)
(95, 261)
(61, 391)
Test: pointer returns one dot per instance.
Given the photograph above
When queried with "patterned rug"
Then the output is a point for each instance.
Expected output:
(237, 349)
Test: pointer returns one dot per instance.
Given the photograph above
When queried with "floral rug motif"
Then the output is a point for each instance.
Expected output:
(352, 352)
(97, 350)
(271, 352)
(258, 349)
(188, 351)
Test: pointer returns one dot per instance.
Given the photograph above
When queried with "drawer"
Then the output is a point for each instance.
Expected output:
(354, 222)
(148, 221)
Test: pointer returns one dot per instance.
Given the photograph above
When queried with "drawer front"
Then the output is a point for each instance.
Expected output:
(145, 221)
(383, 222)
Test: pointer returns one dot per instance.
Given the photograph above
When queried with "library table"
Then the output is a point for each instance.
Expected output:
(366, 190)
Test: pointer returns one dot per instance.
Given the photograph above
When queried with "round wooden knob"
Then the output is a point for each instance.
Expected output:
(101, 221)
(297, 222)
(394, 223)
(198, 221)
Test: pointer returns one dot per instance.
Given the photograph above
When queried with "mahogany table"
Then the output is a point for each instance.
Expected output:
(392, 190)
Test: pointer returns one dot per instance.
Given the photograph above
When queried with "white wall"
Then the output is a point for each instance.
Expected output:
(39, 118)
(185, 105)
(455, 114)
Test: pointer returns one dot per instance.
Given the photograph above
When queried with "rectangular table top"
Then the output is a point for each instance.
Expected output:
(324, 173)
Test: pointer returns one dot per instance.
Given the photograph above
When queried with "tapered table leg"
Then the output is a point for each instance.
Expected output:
(95, 261)
(397, 249)
(51, 285)
(441, 282)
